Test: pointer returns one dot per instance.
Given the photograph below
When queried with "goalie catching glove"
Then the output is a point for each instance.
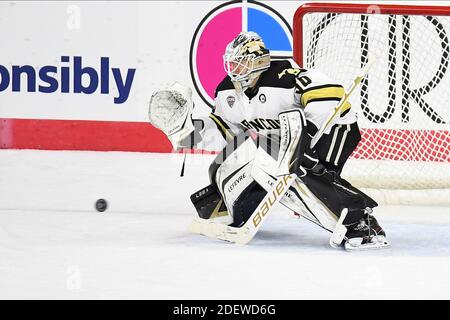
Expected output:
(170, 110)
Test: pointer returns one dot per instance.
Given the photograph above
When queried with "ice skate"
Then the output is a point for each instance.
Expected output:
(365, 234)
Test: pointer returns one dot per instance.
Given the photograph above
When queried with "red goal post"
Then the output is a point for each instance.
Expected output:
(403, 104)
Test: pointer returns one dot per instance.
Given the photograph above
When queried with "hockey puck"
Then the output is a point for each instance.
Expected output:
(101, 205)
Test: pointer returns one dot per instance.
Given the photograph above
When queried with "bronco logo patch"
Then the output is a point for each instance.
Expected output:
(231, 100)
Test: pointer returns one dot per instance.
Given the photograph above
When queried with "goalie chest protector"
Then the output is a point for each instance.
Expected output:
(282, 87)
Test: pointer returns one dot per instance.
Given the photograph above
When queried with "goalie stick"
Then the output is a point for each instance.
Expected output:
(245, 233)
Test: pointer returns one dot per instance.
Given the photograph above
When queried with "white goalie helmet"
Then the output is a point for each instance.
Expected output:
(245, 58)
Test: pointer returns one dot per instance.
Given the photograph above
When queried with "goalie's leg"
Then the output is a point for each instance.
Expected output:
(363, 230)
(248, 203)
(338, 195)
(334, 149)
(233, 194)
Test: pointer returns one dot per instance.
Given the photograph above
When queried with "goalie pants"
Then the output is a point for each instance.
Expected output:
(335, 148)
(333, 151)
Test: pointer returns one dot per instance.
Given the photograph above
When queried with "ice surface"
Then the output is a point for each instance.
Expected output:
(53, 244)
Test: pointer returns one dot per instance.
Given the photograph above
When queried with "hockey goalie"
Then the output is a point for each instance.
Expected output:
(286, 134)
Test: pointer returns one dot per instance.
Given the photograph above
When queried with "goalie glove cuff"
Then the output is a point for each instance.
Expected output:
(194, 137)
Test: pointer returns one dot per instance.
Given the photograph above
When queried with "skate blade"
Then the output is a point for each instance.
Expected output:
(376, 244)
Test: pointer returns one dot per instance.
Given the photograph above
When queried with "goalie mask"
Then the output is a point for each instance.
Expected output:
(245, 58)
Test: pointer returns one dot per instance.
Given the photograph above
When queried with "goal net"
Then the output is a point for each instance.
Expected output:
(403, 103)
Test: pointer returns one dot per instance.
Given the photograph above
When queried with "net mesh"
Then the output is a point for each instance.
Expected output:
(403, 104)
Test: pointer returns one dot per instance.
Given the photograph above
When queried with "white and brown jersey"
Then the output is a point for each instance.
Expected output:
(283, 86)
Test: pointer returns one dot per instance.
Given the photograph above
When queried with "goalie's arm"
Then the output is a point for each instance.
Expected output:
(211, 132)
(171, 110)
(318, 96)
(325, 102)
